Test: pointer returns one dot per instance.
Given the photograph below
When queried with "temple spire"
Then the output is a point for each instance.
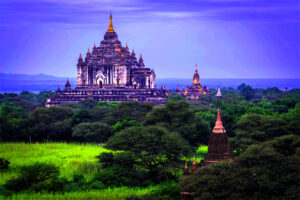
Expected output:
(219, 125)
(194, 166)
(88, 51)
(196, 68)
(110, 26)
(80, 57)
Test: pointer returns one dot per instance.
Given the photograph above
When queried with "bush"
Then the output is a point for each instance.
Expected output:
(4, 163)
(115, 176)
(168, 190)
(36, 177)
(144, 197)
(4, 192)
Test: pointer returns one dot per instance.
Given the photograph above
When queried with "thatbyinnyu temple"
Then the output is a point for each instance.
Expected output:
(111, 73)
(218, 151)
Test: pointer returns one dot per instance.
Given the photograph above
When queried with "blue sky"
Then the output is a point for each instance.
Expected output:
(226, 38)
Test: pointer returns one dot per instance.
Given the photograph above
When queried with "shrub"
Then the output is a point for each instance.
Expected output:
(115, 176)
(4, 163)
(36, 177)
(168, 190)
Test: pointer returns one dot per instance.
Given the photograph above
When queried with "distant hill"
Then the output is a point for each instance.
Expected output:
(35, 83)
(32, 83)
(26, 77)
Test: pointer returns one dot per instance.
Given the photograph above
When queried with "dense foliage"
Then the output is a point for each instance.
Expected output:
(149, 144)
(149, 153)
(269, 170)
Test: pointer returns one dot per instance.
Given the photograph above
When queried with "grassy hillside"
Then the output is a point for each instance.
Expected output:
(70, 158)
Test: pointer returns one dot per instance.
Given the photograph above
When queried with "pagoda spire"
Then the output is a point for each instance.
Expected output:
(110, 26)
(194, 166)
(219, 125)
(88, 51)
(186, 170)
(80, 57)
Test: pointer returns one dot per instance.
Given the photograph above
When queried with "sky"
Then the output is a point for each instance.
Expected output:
(225, 38)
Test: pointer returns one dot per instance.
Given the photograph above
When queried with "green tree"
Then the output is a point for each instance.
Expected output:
(156, 150)
(179, 117)
(14, 122)
(42, 121)
(92, 132)
(254, 128)
(82, 115)
(124, 124)
(128, 111)
(247, 91)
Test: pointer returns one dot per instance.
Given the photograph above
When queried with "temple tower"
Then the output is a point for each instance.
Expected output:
(218, 145)
(80, 71)
(196, 77)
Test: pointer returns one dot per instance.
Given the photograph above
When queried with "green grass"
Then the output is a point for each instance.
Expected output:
(70, 158)
(108, 194)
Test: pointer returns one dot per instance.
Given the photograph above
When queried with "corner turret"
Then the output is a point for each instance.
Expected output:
(68, 86)
(141, 61)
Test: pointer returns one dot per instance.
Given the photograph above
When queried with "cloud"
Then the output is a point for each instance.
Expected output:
(90, 11)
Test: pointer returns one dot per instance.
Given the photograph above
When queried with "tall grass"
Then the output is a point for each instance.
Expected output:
(108, 194)
(70, 158)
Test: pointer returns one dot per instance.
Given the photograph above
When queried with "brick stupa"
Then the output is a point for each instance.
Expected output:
(218, 145)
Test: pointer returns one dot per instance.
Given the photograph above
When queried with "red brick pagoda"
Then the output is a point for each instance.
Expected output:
(218, 151)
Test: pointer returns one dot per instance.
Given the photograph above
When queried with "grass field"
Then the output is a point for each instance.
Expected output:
(108, 194)
(70, 158)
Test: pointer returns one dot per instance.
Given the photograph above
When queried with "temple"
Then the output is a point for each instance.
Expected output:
(219, 94)
(111, 73)
(196, 89)
(218, 151)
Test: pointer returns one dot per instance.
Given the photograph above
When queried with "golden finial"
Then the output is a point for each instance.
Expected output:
(80, 57)
(126, 45)
(122, 55)
(141, 57)
(94, 45)
(110, 27)
(88, 50)
(196, 67)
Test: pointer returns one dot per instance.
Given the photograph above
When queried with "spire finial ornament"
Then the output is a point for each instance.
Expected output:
(110, 26)
(80, 57)
(94, 45)
(88, 51)
(196, 68)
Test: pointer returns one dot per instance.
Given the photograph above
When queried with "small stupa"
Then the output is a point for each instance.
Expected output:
(219, 94)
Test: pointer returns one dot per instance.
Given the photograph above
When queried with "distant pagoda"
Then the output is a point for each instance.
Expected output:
(194, 91)
(111, 73)
(219, 94)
